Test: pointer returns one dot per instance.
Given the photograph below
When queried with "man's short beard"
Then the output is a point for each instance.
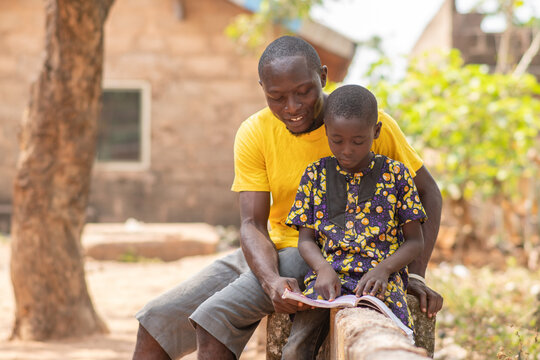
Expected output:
(314, 126)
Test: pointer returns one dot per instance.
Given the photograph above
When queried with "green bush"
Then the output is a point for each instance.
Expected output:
(490, 314)
(481, 125)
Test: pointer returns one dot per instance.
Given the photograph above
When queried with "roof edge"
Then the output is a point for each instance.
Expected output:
(312, 31)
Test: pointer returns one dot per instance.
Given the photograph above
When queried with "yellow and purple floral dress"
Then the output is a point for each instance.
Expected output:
(357, 219)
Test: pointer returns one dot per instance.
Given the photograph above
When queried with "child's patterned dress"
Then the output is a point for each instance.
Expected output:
(357, 219)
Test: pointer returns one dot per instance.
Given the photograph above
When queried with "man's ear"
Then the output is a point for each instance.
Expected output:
(324, 75)
(378, 127)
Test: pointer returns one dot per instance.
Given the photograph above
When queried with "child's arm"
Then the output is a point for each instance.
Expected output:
(376, 280)
(327, 284)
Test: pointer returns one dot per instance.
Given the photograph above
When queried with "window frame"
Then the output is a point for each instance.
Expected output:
(144, 126)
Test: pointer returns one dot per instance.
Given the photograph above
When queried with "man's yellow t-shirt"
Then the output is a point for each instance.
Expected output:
(267, 157)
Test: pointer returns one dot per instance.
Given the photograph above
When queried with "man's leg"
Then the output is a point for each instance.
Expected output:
(210, 348)
(147, 347)
(308, 331)
(232, 314)
(164, 324)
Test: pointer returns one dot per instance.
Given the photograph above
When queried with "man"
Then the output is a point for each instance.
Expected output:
(225, 301)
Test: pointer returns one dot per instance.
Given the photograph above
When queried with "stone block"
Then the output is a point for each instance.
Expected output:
(168, 242)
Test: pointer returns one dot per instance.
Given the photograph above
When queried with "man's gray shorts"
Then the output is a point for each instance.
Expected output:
(225, 298)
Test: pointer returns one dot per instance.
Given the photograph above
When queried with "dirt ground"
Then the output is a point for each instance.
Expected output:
(118, 291)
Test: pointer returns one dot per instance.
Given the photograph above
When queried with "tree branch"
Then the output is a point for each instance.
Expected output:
(503, 52)
(528, 56)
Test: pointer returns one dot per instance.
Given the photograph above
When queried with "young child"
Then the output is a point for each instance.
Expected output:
(358, 213)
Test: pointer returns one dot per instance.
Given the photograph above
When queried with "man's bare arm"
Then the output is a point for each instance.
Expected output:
(432, 202)
(260, 252)
(430, 195)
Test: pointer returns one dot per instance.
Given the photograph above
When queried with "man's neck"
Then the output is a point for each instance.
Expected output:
(318, 122)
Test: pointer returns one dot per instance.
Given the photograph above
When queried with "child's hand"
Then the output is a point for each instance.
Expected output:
(373, 283)
(328, 284)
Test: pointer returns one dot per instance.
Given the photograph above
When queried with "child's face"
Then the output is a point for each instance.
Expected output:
(350, 140)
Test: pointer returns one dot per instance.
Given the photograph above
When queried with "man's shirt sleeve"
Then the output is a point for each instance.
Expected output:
(249, 161)
(392, 143)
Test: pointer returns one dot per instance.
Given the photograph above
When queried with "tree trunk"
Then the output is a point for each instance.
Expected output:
(343, 340)
(466, 237)
(57, 147)
(529, 55)
(503, 52)
(362, 334)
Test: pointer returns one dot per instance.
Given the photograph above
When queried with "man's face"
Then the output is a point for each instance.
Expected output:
(294, 93)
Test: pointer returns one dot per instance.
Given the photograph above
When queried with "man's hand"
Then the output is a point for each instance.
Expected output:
(430, 301)
(328, 284)
(261, 254)
(275, 290)
(373, 283)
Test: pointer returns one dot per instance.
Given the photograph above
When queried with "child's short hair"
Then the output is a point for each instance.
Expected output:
(352, 101)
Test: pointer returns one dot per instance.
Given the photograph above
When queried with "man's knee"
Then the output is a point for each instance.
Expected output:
(147, 348)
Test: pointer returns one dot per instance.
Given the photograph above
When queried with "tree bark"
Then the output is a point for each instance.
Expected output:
(350, 329)
(278, 329)
(531, 52)
(362, 334)
(503, 52)
(424, 327)
(57, 147)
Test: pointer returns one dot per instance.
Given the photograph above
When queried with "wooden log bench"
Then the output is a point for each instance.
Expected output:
(358, 333)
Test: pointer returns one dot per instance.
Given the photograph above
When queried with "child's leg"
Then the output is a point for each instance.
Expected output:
(309, 329)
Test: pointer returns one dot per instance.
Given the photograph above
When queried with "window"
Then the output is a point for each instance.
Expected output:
(124, 126)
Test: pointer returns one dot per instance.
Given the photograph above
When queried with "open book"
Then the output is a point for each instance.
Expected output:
(366, 301)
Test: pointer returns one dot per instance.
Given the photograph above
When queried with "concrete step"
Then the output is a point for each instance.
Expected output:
(133, 240)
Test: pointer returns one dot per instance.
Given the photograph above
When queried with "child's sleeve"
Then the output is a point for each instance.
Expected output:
(301, 214)
(408, 204)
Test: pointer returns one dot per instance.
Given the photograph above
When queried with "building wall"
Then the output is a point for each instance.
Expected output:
(450, 29)
(438, 33)
(478, 47)
(202, 88)
(21, 40)
(337, 65)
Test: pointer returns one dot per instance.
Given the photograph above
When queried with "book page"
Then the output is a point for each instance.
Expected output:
(373, 302)
(340, 301)
(351, 301)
